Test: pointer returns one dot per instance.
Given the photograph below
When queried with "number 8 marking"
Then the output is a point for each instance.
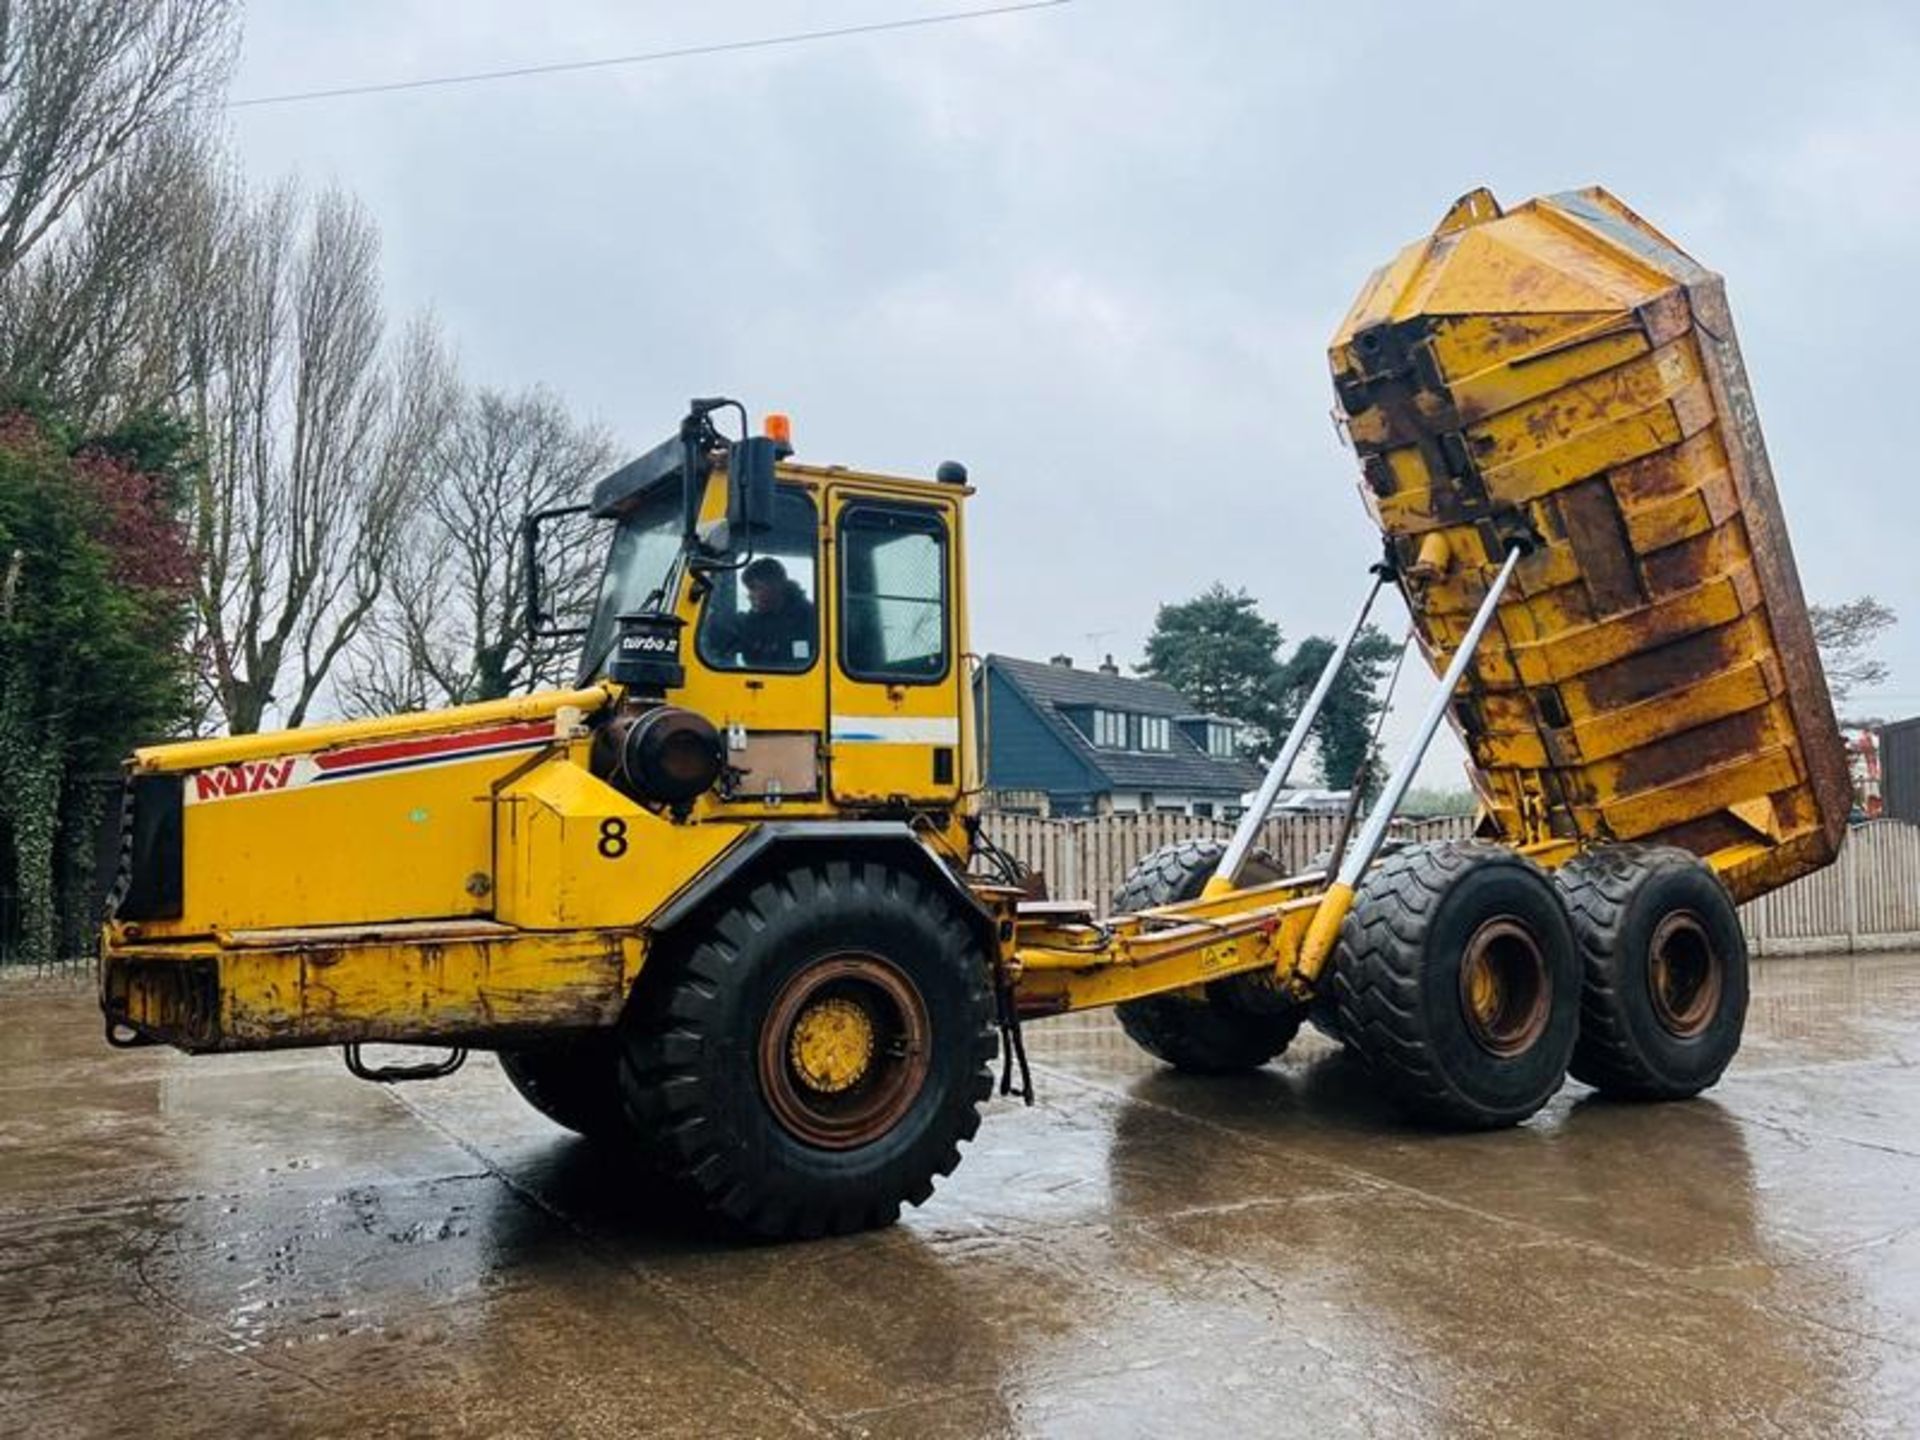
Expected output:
(613, 837)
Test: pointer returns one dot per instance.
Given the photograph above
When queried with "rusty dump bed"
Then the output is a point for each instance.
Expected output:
(1564, 370)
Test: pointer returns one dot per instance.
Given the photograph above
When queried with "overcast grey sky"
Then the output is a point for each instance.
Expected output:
(1096, 251)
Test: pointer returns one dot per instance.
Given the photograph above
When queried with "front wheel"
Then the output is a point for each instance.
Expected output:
(819, 1053)
(1456, 980)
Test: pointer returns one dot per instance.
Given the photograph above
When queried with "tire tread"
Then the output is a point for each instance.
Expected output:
(1377, 974)
(668, 1035)
(1598, 886)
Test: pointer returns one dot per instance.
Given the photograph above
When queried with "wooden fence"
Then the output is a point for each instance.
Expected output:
(1869, 899)
(1087, 859)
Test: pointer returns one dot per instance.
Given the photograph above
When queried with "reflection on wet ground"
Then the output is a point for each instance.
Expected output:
(196, 1246)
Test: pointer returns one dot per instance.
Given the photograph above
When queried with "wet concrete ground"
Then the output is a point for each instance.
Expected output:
(261, 1244)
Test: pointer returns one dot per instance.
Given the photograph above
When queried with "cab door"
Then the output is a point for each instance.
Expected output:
(762, 680)
(897, 681)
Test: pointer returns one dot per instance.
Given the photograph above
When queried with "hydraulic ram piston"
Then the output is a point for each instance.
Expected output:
(1338, 900)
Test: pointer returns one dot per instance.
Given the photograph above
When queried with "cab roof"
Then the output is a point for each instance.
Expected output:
(664, 464)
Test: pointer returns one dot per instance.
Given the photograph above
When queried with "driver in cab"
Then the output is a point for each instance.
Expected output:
(777, 631)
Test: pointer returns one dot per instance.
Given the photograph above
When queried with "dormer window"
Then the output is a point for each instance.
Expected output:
(1124, 730)
(1215, 736)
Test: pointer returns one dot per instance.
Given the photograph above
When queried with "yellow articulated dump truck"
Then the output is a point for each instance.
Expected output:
(728, 902)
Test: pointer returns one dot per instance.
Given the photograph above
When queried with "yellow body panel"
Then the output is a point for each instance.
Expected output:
(410, 984)
(187, 755)
(576, 853)
(360, 822)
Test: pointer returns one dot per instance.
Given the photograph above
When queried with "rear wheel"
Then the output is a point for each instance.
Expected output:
(1456, 980)
(816, 1056)
(575, 1083)
(1239, 1023)
(1664, 1002)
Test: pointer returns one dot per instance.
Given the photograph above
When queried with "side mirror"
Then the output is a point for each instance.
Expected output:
(539, 623)
(750, 485)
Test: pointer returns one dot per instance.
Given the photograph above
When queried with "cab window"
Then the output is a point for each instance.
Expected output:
(639, 570)
(893, 594)
(761, 614)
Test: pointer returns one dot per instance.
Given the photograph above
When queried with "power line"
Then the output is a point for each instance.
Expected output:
(801, 37)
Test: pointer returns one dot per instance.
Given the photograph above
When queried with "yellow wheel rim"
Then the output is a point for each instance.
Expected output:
(1506, 995)
(1685, 975)
(844, 1050)
(832, 1045)
(1483, 995)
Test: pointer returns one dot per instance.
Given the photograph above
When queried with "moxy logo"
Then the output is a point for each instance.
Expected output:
(249, 777)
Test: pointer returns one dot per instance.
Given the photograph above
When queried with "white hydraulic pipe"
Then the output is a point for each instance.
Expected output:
(1375, 831)
(1338, 900)
(1227, 875)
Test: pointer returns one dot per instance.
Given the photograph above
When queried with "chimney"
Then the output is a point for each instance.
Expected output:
(1107, 667)
(1065, 662)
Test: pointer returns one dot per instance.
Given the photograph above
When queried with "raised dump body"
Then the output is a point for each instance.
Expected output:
(1564, 372)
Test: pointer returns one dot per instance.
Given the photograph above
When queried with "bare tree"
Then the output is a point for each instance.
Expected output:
(93, 320)
(318, 441)
(84, 81)
(1846, 634)
(452, 627)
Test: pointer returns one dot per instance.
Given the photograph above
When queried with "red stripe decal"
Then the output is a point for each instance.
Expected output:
(433, 745)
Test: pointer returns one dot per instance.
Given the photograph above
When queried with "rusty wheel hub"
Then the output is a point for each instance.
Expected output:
(832, 1045)
(1505, 992)
(844, 1050)
(1685, 975)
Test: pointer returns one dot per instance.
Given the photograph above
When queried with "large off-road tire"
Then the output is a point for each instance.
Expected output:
(816, 1052)
(1457, 981)
(1665, 995)
(574, 1082)
(1241, 1023)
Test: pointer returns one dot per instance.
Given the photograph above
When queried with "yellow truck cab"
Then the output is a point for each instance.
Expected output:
(290, 871)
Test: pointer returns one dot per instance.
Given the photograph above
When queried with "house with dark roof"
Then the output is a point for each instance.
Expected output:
(1065, 741)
